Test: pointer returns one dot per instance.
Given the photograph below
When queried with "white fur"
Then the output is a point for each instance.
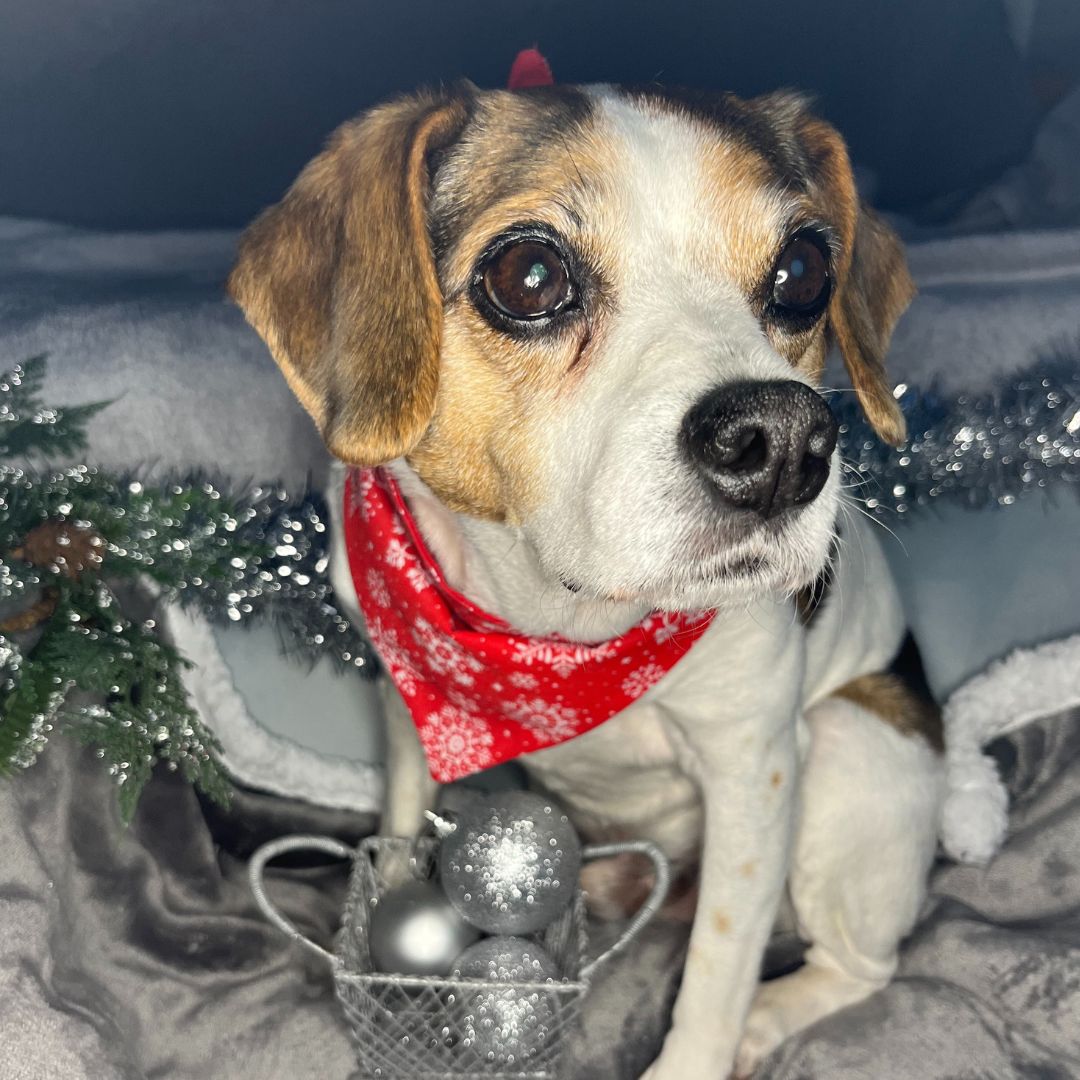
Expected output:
(867, 832)
(691, 765)
(707, 763)
(683, 327)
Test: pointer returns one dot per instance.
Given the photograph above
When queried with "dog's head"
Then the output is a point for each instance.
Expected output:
(597, 315)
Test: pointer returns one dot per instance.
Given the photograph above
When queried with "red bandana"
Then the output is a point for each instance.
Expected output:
(478, 693)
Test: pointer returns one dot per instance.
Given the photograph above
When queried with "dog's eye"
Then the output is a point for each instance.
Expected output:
(527, 280)
(801, 281)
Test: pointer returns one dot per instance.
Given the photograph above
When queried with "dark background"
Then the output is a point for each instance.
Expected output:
(160, 113)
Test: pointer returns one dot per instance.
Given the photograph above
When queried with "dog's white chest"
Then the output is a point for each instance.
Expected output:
(625, 778)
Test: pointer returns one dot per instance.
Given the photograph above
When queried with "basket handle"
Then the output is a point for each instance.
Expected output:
(330, 846)
(651, 905)
(272, 850)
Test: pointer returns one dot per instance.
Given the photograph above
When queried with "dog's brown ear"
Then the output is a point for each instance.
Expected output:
(862, 314)
(873, 286)
(339, 280)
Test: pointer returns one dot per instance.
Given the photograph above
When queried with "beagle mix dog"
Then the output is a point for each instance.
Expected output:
(584, 330)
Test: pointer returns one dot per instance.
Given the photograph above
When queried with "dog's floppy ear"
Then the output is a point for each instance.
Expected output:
(862, 314)
(873, 286)
(339, 279)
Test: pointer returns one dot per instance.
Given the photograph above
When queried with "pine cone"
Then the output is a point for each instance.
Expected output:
(70, 548)
(31, 616)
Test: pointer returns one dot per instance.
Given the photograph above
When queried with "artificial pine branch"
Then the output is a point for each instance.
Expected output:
(72, 659)
(27, 427)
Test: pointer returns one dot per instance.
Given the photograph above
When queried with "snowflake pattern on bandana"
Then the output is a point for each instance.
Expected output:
(563, 657)
(549, 721)
(641, 679)
(455, 741)
(478, 692)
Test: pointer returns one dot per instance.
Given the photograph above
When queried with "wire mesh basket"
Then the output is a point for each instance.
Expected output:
(422, 1028)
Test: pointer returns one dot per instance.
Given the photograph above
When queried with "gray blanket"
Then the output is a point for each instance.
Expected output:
(138, 953)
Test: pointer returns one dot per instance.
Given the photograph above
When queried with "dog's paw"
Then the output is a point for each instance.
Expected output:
(785, 1006)
(765, 1030)
(659, 1071)
(693, 1057)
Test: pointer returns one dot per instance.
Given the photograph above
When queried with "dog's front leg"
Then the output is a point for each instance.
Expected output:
(409, 788)
(747, 779)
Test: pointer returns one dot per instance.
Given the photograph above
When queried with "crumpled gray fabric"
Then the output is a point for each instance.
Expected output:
(139, 953)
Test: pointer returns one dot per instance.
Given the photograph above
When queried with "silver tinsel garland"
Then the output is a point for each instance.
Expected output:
(262, 556)
(979, 450)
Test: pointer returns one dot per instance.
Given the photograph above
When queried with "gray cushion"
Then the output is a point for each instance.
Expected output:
(142, 318)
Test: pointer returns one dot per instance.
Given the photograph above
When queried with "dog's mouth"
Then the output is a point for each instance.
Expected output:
(738, 574)
(712, 565)
(743, 568)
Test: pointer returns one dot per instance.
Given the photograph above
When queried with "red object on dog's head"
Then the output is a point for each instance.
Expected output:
(529, 69)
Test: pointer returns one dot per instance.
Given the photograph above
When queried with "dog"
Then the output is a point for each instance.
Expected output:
(584, 331)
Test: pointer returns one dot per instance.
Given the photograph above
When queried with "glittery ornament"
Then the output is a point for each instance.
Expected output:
(975, 450)
(507, 1026)
(509, 861)
(415, 930)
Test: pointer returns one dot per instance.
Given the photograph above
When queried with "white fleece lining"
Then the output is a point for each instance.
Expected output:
(1024, 686)
(252, 754)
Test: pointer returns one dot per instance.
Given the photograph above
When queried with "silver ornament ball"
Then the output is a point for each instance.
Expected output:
(506, 959)
(510, 864)
(415, 930)
(507, 1025)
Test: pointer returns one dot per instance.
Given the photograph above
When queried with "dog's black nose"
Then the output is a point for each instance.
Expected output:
(765, 446)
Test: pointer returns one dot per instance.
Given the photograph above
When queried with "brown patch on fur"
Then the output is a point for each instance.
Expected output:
(616, 887)
(773, 144)
(721, 922)
(339, 279)
(740, 199)
(475, 454)
(889, 697)
(808, 357)
(748, 869)
(532, 159)
(776, 779)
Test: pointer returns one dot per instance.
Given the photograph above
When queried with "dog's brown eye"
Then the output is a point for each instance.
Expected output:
(527, 280)
(801, 283)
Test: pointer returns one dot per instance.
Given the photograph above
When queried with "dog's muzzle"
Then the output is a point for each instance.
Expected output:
(762, 446)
